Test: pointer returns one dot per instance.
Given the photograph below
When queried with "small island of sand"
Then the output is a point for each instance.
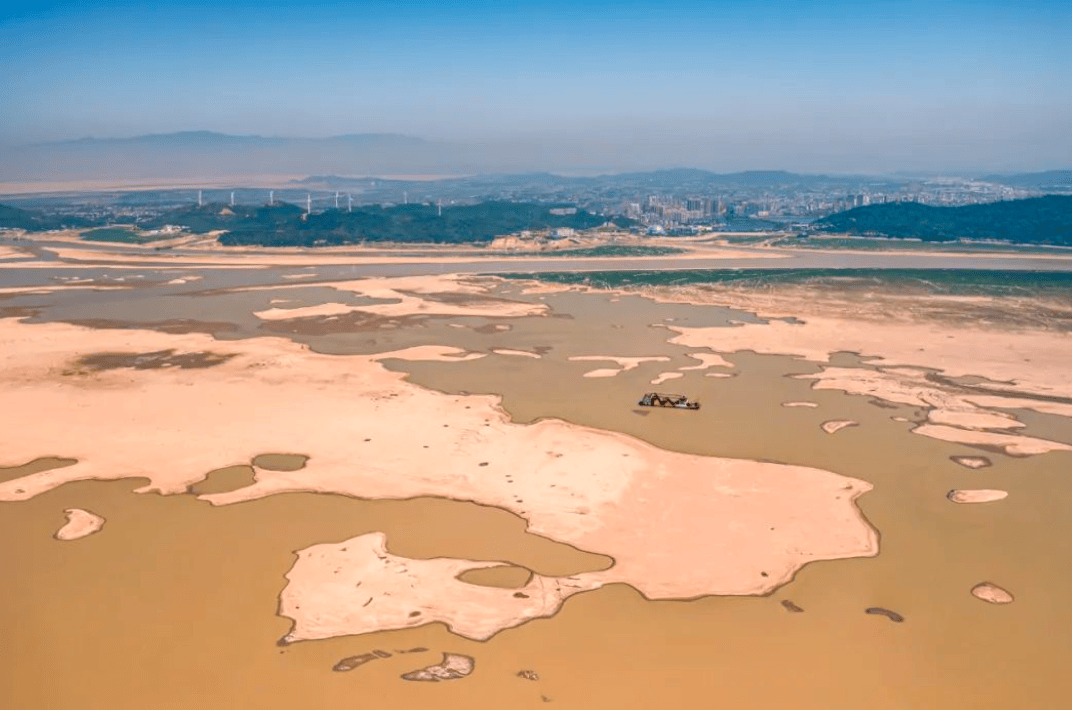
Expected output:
(452, 667)
(836, 425)
(80, 523)
(990, 592)
(981, 495)
(971, 461)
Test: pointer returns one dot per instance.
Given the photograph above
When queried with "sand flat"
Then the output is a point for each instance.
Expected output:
(899, 352)
(356, 586)
(1011, 444)
(1035, 360)
(678, 525)
(448, 295)
(583, 644)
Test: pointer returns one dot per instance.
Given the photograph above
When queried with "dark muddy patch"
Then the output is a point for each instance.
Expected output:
(879, 611)
(280, 462)
(152, 360)
(224, 480)
(352, 322)
(177, 326)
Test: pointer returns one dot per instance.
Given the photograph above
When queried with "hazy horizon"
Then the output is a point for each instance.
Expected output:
(831, 86)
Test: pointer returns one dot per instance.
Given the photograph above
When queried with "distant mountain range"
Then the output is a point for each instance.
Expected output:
(196, 154)
(207, 154)
(210, 139)
(670, 179)
(1038, 220)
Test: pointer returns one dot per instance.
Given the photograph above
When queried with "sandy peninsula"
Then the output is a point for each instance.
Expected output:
(707, 360)
(665, 377)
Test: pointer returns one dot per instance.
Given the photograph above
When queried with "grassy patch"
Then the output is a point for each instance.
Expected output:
(115, 234)
(1019, 283)
(606, 250)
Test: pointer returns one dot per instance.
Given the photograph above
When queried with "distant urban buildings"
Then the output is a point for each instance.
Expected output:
(662, 201)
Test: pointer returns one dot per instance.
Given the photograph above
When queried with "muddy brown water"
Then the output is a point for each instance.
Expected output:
(224, 480)
(44, 463)
(172, 604)
(280, 462)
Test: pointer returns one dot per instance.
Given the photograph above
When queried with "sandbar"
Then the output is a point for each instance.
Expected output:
(80, 523)
(980, 495)
(517, 353)
(971, 461)
(835, 425)
(1013, 445)
(452, 667)
(990, 592)
(439, 295)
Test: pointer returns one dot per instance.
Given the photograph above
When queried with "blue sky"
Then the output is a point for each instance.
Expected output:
(893, 84)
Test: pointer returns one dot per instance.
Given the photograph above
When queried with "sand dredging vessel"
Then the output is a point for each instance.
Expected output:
(659, 399)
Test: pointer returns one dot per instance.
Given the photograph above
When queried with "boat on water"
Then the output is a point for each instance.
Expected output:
(659, 399)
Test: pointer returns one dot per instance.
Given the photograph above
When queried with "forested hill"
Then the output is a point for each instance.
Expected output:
(287, 226)
(1038, 220)
(32, 221)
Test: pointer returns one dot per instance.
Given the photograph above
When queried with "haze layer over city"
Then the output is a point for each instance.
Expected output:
(563, 86)
(585, 355)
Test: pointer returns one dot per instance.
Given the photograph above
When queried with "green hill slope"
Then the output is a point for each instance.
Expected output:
(1039, 220)
(32, 221)
(286, 225)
